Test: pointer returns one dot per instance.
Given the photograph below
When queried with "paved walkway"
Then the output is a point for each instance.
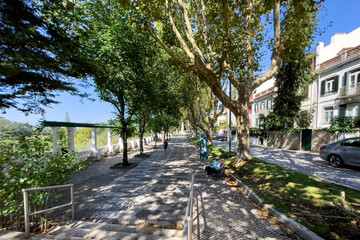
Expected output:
(307, 163)
(157, 190)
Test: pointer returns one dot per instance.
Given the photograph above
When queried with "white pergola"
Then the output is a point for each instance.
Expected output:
(55, 126)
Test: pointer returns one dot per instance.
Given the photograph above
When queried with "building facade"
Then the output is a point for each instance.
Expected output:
(261, 102)
(337, 89)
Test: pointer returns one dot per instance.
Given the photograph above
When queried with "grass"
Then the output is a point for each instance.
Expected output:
(308, 200)
(214, 151)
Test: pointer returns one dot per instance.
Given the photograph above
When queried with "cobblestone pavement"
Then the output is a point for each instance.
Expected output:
(156, 192)
(307, 163)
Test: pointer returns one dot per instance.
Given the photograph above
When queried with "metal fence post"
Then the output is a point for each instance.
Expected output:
(72, 203)
(26, 212)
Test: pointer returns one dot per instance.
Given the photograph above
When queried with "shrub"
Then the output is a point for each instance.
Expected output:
(28, 163)
(342, 124)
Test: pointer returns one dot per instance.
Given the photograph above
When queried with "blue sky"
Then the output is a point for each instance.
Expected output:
(337, 16)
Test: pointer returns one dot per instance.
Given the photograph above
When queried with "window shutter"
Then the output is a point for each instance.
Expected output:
(345, 78)
(336, 84)
(322, 90)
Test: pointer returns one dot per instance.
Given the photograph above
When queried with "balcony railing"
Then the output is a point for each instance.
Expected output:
(350, 90)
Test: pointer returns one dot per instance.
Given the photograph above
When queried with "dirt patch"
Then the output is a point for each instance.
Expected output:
(120, 165)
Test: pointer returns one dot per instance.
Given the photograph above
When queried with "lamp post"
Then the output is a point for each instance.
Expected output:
(229, 118)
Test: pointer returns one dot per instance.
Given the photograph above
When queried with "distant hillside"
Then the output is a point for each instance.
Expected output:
(13, 128)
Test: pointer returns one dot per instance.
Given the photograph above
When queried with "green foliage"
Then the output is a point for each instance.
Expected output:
(27, 163)
(303, 119)
(12, 128)
(295, 74)
(343, 124)
(36, 56)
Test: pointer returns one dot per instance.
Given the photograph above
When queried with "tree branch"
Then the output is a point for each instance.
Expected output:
(275, 57)
(176, 60)
(188, 30)
(178, 35)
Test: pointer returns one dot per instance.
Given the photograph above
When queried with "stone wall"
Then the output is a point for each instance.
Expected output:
(320, 138)
(278, 139)
(290, 141)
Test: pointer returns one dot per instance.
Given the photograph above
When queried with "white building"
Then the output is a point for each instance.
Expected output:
(337, 89)
(261, 102)
(335, 92)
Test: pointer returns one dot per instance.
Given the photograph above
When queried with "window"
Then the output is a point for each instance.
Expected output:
(352, 143)
(330, 85)
(262, 105)
(328, 114)
(342, 110)
(256, 107)
(354, 78)
(352, 110)
(269, 104)
(257, 122)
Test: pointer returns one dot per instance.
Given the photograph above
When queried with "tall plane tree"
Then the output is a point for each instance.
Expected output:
(201, 106)
(226, 39)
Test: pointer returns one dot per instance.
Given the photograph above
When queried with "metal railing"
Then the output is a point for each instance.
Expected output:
(187, 231)
(27, 213)
(350, 90)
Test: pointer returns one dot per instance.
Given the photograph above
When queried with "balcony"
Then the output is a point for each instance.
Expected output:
(350, 91)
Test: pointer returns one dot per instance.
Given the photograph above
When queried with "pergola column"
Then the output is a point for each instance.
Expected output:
(94, 147)
(56, 147)
(71, 141)
(109, 144)
(182, 127)
(120, 143)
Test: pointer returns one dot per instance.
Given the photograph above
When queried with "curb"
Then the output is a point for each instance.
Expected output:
(289, 150)
(296, 227)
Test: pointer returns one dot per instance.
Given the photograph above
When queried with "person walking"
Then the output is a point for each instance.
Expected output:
(165, 145)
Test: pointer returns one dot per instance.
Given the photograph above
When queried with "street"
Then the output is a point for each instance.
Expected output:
(307, 163)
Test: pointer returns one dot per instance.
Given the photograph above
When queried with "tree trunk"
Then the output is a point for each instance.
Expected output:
(209, 136)
(142, 124)
(243, 132)
(141, 143)
(208, 133)
(156, 139)
(125, 146)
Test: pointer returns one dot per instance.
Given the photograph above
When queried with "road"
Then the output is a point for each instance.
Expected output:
(307, 163)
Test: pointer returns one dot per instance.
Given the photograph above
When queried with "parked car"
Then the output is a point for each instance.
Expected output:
(346, 151)
(222, 138)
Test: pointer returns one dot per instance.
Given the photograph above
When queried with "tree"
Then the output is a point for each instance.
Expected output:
(121, 57)
(67, 118)
(225, 39)
(292, 84)
(202, 107)
(162, 97)
(36, 56)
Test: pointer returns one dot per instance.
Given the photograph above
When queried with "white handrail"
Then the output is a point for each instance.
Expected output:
(27, 213)
(187, 231)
